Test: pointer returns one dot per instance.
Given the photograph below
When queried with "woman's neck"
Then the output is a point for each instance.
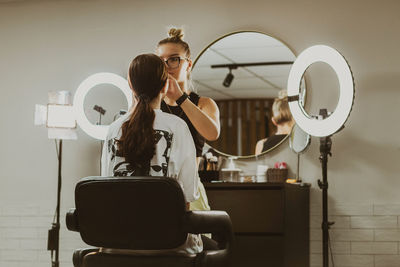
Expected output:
(156, 103)
(285, 128)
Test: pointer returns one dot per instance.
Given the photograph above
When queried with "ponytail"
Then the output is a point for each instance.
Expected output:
(280, 108)
(137, 143)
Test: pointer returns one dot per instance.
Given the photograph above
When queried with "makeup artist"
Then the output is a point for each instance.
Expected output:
(200, 113)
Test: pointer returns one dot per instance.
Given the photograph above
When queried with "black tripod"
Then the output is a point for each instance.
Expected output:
(325, 151)
(101, 111)
(53, 240)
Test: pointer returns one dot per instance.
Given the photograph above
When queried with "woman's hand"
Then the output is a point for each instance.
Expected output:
(204, 117)
(174, 90)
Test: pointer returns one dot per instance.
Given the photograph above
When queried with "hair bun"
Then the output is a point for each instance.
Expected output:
(175, 33)
(282, 94)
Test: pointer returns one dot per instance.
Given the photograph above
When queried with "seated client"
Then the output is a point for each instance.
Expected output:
(282, 119)
(149, 142)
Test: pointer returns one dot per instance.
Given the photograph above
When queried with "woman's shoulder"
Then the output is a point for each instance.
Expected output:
(262, 140)
(209, 106)
(205, 101)
(260, 143)
(170, 119)
(115, 126)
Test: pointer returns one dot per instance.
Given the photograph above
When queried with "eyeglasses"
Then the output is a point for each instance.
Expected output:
(174, 62)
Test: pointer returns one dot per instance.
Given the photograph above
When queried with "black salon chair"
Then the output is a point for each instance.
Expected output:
(143, 213)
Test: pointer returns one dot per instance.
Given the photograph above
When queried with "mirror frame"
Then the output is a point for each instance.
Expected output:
(305, 84)
(291, 137)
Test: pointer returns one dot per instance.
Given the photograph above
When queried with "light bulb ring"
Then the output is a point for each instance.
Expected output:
(97, 131)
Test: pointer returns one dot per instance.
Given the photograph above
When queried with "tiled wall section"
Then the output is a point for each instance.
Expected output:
(363, 235)
(23, 237)
(366, 235)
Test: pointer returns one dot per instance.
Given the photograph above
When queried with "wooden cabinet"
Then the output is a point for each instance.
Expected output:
(270, 221)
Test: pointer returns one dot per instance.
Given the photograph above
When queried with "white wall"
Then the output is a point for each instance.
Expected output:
(54, 45)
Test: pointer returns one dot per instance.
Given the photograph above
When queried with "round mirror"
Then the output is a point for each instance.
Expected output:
(299, 140)
(243, 72)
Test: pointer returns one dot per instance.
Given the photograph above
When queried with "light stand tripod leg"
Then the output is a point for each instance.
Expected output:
(53, 241)
(56, 263)
(325, 150)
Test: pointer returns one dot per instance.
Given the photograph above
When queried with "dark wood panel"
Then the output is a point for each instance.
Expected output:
(235, 128)
(252, 251)
(244, 129)
(297, 226)
(252, 128)
(252, 114)
(225, 131)
(270, 220)
(250, 210)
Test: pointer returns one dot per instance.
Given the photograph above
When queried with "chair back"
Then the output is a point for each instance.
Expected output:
(141, 213)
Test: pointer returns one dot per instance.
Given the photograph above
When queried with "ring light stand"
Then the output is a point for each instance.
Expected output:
(97, 131)
(324, 125)
(325, 151)
(60, 122)
(53, 239)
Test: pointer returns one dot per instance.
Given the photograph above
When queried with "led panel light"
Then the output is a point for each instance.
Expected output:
(60, 116)
(97, 131)
(331, 124)
(40, 115)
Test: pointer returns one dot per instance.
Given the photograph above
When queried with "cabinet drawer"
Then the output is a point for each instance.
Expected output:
(261, 251)
(251, 211)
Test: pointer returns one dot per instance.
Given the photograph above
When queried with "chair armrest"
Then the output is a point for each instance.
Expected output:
(216, 222)
(79, 254)
(71, 220)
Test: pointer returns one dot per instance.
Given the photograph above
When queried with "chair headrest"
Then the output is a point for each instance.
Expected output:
(131, 212)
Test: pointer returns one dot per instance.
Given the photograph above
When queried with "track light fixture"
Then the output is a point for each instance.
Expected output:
(228, 79)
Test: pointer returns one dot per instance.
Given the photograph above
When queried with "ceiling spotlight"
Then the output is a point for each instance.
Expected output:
(228, 79)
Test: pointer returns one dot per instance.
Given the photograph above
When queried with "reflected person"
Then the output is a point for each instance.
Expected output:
(282, 119)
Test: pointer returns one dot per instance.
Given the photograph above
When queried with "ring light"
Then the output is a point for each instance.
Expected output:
(327, 125)
(97, 131)
(331, 124)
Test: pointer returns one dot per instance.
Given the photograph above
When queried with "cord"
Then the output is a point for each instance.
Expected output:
(55, 212)
(58, 158)
(55, 141)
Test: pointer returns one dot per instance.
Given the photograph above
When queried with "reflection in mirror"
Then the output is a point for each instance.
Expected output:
(323, 90)
(299, 141)
(282, 119)
(103, 103)
(243, 72)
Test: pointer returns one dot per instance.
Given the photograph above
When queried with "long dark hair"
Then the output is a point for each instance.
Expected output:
(148, 76)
